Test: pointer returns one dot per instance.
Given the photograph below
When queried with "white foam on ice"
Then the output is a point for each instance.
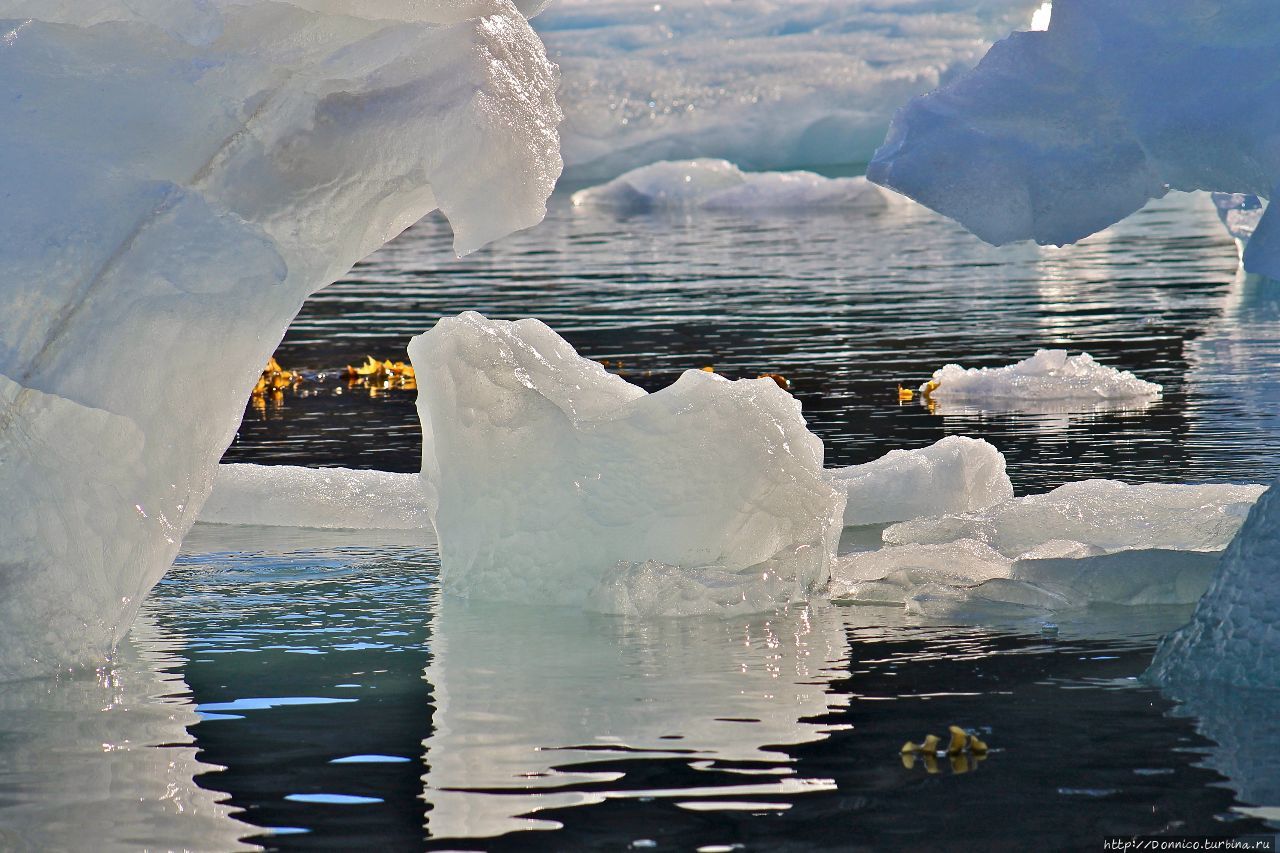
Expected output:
(1048, 376)
(559, 482)
(767, 84)
(1090, 542)
(1059, 133)
(954, 475)
(709, 184)
(178, 177)
(292, 496)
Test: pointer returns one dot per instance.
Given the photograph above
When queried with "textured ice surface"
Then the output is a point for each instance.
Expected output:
(178, 176)
(766, 84)
(955, 475)
(1058, 134)
(1049, 375)
(291, 496)
(720, 185)
(1234, 636)
(560, 482)
(1095, 541)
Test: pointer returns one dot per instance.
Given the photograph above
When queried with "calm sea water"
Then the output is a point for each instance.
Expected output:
(319, 683)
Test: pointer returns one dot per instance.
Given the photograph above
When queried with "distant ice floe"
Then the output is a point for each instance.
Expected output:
(1059, 133)
(561, 483)
(1049, 381)
(291, 496)
(767, 84)
(1093, 541)
(955, 475)
(709, 184)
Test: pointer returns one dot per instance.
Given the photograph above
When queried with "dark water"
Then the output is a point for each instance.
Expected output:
(503, 728)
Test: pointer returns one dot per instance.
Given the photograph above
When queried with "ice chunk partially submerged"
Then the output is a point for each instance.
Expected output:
(179, 177)
(720, 185)
(1048, 376)
(559, 482)
(955, 475)
(291, 496)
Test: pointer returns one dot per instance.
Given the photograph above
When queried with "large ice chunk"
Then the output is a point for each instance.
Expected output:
(1047, 376)
(767, 84)
(1058, 134)
(178, 177)
(291, 496)
(955, 475)
(720, 185)
(1234, 636)
(560, 482)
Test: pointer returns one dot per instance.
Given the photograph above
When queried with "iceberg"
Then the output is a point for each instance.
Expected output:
(1057, 134)
(561, 483)
(1049, 376)
(292, 496)
(179, 177)
(767, 84)
(708, 184)
(954, 475)
(1090, 542)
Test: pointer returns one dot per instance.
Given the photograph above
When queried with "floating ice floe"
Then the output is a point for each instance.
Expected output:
(957, 474)
(291, 496)
(1094, 541)
(1060, 133)
(1050, 380)
(178, 177)
(767, 84)
(720, 185)
(559, 482)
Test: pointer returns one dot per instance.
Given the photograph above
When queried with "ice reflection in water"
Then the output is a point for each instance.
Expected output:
(528, 699)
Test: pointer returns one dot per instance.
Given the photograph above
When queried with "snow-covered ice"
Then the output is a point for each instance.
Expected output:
(178, 177)
(292, 496)
(559, 482)
(1048, 377)
(766, 84)
(709, 184)
(955, 475)
(1060, 133)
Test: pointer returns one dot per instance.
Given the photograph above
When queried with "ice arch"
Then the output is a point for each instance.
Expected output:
(179, 175)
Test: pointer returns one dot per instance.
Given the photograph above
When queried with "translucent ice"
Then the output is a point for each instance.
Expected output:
(955, 475)
(1058, 134)
(1049, 375)
(1234, 636)
(290, 496)
(178, 177)
(720, 185)
(767, 84)
(560, 482)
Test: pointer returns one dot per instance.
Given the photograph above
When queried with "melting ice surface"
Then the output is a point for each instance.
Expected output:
(561, 483)
(720, 185)
(1048, 379)
(179, 177)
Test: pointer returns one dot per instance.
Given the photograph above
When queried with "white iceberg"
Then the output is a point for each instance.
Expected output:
(292, 496)
(767, 84)
(954, 475)
(1091, 542)
(1049, 376)
(559, 482)
(708, 184)
(179, 176)
(1060, 133)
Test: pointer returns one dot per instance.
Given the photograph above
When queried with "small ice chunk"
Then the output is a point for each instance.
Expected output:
(1107, 514)
(559, 482)
(720, 185)
(1047, 375)
(290, 496)
(954, 475)
(893, 574)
